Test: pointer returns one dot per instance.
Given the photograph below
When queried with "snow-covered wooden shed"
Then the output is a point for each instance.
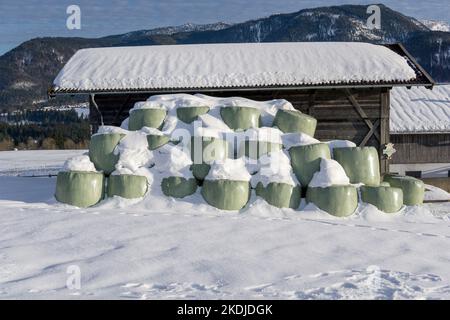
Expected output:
(344, 85)
(420, 131)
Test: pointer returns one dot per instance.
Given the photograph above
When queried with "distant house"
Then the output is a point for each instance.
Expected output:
(344, 85)
(420, 131)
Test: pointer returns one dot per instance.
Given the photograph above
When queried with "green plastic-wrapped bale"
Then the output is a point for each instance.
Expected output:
(127, 186)
(204, 150)
(150, 117)
(256, 149)
(155, 141)
(295, 121)
(305, 160)
(101, 151)
(360, 164)
(413, 189)
(386, 199)
(226, 194)
(281, 195)
(80, 189)
(178, 187)
(190, 114)
(241, 118)
(339, 201)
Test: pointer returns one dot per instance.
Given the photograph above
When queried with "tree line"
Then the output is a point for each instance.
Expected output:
(43, 129)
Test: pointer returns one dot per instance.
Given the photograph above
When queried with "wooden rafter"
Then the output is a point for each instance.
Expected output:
(363, 115)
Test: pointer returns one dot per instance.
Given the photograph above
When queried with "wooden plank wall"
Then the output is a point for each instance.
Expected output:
(336, 116)
(421, 148)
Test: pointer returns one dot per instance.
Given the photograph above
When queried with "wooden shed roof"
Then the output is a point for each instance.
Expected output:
(238, 66)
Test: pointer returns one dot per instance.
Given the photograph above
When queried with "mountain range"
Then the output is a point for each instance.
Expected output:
(28, 70)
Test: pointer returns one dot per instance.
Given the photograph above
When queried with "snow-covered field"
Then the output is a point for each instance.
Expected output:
(142, 251)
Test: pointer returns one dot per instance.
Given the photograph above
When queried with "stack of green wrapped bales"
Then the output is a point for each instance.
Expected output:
(208, 161)
(227, 185)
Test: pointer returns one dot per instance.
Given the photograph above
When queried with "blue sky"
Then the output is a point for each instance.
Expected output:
(22, 20)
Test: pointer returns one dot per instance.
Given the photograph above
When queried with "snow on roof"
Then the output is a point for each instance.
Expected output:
(231, 65)
(419, 110)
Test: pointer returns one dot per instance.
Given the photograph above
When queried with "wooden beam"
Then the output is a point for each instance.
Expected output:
(369, 134)
(361, 113)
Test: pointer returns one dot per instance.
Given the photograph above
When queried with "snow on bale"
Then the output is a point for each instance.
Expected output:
(255, 143)
(79, 163)
(241, 118)
(361, 164)
(305, 160)
(329, 190)
(227, 185)
(413, 189)
(333, 144)
(80, 188)
(102, 150)
(330, 173)
(385, 198)
(146, 114)
(190, 114)
(275, 181)
(127, 186)
(340, 201)
(133, 152)
(205, 150)
(295, 121)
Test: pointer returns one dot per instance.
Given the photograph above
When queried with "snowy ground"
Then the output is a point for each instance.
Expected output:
(129, 251)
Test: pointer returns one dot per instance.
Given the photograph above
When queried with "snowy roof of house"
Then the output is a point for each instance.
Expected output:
(236, 65)
(420, 110)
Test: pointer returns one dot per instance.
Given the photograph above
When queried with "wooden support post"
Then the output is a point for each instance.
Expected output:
(384, 129)
(94, 118)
